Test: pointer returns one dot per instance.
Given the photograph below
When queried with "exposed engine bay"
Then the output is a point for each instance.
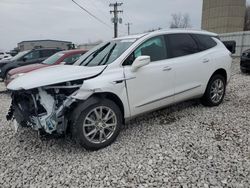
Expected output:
(45, 108)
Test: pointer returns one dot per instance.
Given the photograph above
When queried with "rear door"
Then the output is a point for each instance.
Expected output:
(190, 65)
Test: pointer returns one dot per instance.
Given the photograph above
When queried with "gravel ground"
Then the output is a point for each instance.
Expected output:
(186, 145)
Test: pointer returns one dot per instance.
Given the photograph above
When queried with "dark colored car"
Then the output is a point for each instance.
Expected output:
(68, 57)
(245, 61)
(26, 58)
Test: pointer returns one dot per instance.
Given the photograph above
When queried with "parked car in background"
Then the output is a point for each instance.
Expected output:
(26, 58)
(119, 80)
(67, 57)
(17, 57)
(6, 58)
(4, 55)
(245, 61)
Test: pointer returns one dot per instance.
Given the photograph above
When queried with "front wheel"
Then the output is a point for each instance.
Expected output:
(98, 125)
(215, 91)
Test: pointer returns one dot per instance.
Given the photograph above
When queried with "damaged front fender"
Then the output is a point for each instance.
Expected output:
(42, 109)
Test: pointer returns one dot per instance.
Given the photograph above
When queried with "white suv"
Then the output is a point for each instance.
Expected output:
(119, 80)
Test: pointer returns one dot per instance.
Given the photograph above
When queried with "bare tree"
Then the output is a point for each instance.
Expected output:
(180, 21)
(247, 19)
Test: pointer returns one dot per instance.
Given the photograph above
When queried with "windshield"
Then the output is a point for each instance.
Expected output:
(20, 54)
(105, 53)
(52, 59)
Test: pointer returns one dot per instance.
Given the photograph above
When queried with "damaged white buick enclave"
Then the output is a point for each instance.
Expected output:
(119, 80)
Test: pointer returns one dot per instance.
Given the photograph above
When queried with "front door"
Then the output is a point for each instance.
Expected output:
(151, 86)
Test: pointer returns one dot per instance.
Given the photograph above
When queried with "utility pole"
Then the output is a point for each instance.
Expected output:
(116, 19)
(128, 24)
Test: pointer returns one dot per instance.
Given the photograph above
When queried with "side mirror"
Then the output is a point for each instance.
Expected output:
(140, 62)
(24, 59)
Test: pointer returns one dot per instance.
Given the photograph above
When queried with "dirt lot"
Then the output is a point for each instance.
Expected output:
(186, 145)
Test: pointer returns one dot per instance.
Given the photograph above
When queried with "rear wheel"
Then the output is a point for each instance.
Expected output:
(98, 125)
(243, 70)
(215, 91)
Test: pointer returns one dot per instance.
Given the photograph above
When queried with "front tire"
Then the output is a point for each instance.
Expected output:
(215, 91)
(98, 125)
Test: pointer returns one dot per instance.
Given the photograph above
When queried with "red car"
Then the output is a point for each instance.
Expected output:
(68, 57)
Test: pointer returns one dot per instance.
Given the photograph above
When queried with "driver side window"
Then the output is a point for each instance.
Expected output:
(32, 55)
(154, 47)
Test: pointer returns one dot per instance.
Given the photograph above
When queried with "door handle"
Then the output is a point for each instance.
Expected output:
(205, 60)
(167, 68)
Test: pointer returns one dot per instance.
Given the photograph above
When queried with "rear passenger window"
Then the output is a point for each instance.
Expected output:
(204, 41)
(181, 45)
(48, 53)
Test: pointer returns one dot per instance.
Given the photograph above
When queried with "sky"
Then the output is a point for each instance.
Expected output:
(63, 20)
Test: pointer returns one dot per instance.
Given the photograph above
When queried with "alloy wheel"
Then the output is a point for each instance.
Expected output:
(99, 124)
(217, 91)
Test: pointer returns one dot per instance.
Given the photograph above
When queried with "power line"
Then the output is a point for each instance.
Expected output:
(100, 10)
(98, 19)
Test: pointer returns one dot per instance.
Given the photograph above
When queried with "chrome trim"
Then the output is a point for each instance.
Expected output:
(123, 79)
(187, 90)
(156, 100)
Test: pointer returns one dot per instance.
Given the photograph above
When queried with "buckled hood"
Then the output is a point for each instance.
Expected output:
(53, 75)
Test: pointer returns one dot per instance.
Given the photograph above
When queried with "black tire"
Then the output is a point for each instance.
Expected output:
(79, 131)
(243, 71)
(207, 98)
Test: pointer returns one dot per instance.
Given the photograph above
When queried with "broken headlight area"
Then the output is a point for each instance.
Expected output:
(44, 109)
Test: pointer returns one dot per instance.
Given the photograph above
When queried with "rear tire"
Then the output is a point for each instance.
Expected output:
(244, 71)
(98, 125)
(215, 91)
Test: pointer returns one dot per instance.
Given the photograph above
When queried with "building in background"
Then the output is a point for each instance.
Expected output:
(31, 44)
(223, 16)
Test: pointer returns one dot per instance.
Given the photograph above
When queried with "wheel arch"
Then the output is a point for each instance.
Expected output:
(221, 72)
(113, 97)
(95, 98)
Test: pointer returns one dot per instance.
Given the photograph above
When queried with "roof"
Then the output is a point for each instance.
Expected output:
(74, 51)
(137, 36)
(45, 41)
(185, 30)
(168, 31)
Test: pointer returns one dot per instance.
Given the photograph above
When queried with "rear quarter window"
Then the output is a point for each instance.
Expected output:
(204, 42)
